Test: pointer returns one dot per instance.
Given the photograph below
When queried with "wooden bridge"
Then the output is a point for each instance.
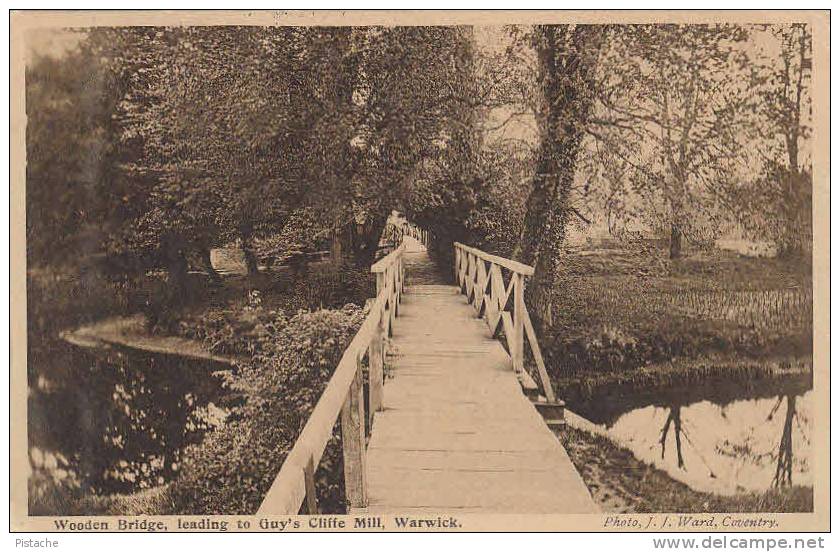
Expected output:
(439, 412)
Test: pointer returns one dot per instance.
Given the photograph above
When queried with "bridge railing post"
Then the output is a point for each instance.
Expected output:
(402, 276)
(518, 323)
(376, 371)
(353, 442)
(457, 265)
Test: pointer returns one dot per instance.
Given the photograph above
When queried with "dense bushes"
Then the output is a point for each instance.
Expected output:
(60, 297)
(230, 472)
(240, 327)
(332, 286)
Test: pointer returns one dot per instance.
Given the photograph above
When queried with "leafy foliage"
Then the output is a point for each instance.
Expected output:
(75, 195)
(230, 472)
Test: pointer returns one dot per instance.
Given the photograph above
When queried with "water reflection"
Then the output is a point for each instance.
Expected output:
(745, 445)
(784, 462)
(674, 415)
(117, 421)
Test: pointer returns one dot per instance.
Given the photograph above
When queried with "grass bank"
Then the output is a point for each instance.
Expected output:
(716, 377)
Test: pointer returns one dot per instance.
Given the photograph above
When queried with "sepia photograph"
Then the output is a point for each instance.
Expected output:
(402, 270)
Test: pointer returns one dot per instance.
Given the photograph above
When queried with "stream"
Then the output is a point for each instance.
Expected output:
(740, 444)
(119, 418)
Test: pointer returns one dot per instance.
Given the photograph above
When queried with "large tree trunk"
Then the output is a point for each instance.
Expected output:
(676, 241)
(173, 248)
(251, 264)
(208, 265)
(567, 58)
(340, 157)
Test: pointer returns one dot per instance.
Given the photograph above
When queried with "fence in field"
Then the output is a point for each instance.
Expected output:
(762, 309)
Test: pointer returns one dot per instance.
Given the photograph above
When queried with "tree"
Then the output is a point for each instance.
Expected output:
(778, 203)
(238, 128)
(567, 56)
(672, 107)
(220, 116)
(74, 195)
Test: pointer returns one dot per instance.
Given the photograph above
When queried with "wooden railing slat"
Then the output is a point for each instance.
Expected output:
(507, 324)
(508, 294)
(511, 265)
(548, 389)
(502, 306)
(518, 322)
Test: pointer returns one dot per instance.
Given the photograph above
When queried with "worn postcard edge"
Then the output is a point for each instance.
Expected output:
(21, 21)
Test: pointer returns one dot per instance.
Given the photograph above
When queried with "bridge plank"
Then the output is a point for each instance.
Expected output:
(456, 433)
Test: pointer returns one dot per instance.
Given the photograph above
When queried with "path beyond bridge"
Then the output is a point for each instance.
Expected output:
(451, 430)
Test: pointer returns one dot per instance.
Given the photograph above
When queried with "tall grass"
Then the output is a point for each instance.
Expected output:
(623, 310)
(764, 309)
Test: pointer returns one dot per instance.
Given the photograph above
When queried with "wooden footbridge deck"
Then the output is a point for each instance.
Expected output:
(452, 427)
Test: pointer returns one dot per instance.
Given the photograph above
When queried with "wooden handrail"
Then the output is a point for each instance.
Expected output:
(420, 234)
(479, 276)
(513, 266)
(385, 262)
(343, 396)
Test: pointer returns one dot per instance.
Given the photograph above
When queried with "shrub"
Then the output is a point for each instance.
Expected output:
(332, 287)
(230, 472)
(235, 330)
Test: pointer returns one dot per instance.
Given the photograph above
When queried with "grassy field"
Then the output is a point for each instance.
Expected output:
(630, 317)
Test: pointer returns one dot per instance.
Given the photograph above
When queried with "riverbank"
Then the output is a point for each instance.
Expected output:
(620, 483)
(129, 333)
(168, 403)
